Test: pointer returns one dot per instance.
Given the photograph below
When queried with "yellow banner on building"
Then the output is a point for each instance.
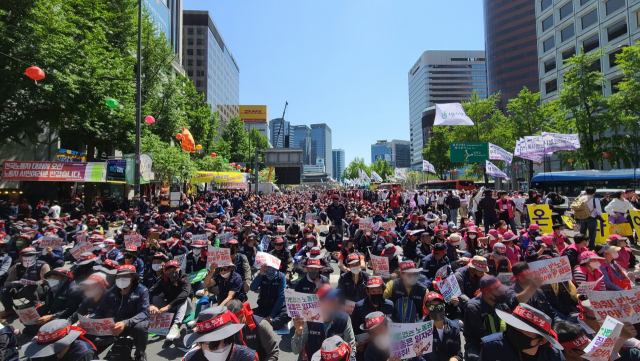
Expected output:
(604, 230)
(254, 113)
(541, 215)
(218, 177)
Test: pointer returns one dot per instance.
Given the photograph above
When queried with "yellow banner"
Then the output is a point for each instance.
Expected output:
(218, 177)
(604, 229)
(635, 220)
(541, 215)
(569, 222)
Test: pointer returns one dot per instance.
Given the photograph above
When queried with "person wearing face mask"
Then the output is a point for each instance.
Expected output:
(372, 302)
(171, 294)
(94, 287)
(589, 269)
(155, 272)
(434, 261)
(379, 348)
(308, 336)
(270, 284)
(313, 279)
(229, 282)
(83, 267)
(110, 250)
(332, 242)
(525, 279)
(530, 236)
(286, 260)
(257, 332)
(128, 304)
(615, 277)
(406, 293)
(348, 248)
(130, 256)
(540, 247)
(527, 336)
(498, 261)
(480, 317)
(468, 278)
(196, 260)
(59, 341)
(242, 264)
(446, 338)
(505, 209)
(353, 282)
(25, 280)
(218, 337)
(310, 242)
(63, 297)
(314, 253)
(626, 259)
(366, 241)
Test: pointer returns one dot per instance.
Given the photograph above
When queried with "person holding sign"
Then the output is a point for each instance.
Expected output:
(171, 294)
(406, 293)
(376, 324)
(469, 279)
(93, 288)
(61, 341)
(525, 280)
(63, 298)
(447, 345)
(24, 281)
(434, 261)
(589, 269)
(527, 331)
(270, 284)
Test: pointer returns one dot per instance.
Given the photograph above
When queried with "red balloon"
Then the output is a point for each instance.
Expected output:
(607, 155)
(238, 166)
(34, 73)
(233, 164)
(179, 136)
(213, 155)
(249, 170)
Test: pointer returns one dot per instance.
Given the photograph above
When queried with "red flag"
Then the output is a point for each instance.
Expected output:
(188, 143)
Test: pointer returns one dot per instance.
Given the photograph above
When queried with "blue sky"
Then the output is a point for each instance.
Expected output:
(340, 62)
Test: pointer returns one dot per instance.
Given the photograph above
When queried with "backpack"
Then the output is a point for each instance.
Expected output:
(455, 202)
(580, 209)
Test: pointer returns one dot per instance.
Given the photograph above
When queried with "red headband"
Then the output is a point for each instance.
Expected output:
(86, 258)
(212, 324)
(492, 286)
(373, 321)
(374, 282)
(99, 279)
(577, 343)
(57, 335)
(336, 354)
(440, 251)
(524, 273)
(533, 318)
(407, 265)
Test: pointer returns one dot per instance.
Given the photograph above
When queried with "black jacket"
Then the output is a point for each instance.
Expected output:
(174, 293)
(495, 347)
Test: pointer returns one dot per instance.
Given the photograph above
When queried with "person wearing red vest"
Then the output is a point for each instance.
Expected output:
(589, 270)
(626, 259)
(615, 277)
(559, 238)
(573, 252)
(394, 202)
(505, 208)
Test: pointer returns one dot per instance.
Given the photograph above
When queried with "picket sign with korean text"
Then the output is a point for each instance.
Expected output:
(220, 256)
(133, 240)
(80, 248)
(199, 237)
(82, 237)
(388, 226)
(449, 288)
(349, 306)
(365, 223)
(603, 230)
(624, 306)
(50, 241)
(182, 260)
(552, 270)
(269, 218)
(97, 327)
(28, 316)
(281, 228)
(380, 265)
(363, 338)
(226, 237)
(541, 215)
(410, 340)
(269, 260)
(586, 286)
(160, 323)
(635, 220)
(303, 305)
(600, 347)
(309, 218)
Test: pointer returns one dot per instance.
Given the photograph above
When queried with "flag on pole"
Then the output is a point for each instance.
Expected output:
(398, 174)
(365, 177)
(451, 114)
(375, 176)
(494, 171)
(428, 167)
(188, 143)
(498, 153)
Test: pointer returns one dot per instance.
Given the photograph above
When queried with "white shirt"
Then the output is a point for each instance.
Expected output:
(595, 211)
(618, 206)
(422, 200)
(54, 212)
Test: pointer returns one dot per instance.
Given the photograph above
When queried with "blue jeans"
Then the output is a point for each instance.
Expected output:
(453, 215)
(590, 224)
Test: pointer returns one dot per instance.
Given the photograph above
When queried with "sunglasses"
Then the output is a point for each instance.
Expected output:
(213, 345)
(436, 307)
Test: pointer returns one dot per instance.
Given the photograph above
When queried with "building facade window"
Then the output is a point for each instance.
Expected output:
(568, 53)
(189, 62)
(566, 10)
(190, 41)
(612, 57)
(550, 65)
(567, 33)
(199, 63)
(551, 86)
(613, 5)
(591, 43)
(617, 30)
(544, 4)
(199, 31)
(199, 52)
(189, 31)
(589, 19)
(595, 66)
(189, 51)
(198, 83)
(190, 72)
(548, 44)
(614, 85)
(200, 41)
(547, 23)
(582, 2)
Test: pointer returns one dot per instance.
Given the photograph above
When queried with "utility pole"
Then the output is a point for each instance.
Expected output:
(255, 170)
(136, 175)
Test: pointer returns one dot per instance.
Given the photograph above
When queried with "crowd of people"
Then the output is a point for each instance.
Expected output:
(427, 237)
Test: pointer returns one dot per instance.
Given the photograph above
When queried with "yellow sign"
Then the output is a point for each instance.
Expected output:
(604, 229)
(218, 177)
(635, 220)
(569, 222)
(254, 113)
(541, 215)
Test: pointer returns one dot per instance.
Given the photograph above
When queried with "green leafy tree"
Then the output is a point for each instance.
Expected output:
(437, 151)
(351, 171)
(168, 161)
(383, 168)
(236, 137)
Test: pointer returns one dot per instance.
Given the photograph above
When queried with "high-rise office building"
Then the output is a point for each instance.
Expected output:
(321, 145)
(565, 27)
(209, 64)
(511, 47)
(302, 136)
(167, 14)
(281, 133)
(338, 163)
(396, 152)
(441, 76)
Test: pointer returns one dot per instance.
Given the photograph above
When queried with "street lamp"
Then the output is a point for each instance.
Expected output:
(136, 172)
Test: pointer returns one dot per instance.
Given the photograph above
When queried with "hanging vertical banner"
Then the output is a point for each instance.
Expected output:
(497, 153)
(398, 174)
(494, 171)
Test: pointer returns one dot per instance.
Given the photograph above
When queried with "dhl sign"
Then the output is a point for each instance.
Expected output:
(254, 113)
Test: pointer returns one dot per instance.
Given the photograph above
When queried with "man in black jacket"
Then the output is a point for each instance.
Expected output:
(171, 294)
(336, 212)
(488, 204)
(63, 299)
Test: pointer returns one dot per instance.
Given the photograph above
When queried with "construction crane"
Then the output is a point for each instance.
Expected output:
(278, 137)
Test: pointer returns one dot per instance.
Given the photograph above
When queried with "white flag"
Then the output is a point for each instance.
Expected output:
(375, 176)
(365, 177)
(554, 142)
(398, 174)
(451, 114)
(428, 167)
(498, 153)
(494, 171)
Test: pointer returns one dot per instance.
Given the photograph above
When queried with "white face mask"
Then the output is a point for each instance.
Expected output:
(53, 282)
(156, 266)
(504, 227)
(382, 342)
(123, 283)
(92, 293)
(355, 270)
(28, 261)
(197, 251)
(217, 355)
(614, 255)
(225, 275)
(310, 244)
(472, 236)
(412, 280)
(594, 264)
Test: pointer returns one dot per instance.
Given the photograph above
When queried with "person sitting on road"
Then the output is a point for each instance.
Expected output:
(626, 259)
(270, 284)
(434, 261)
(446, 341)
(130, 256)
(469, 277)
(111, 252)
(286, 260)
(589, 269)
(59, 340)
(83, 267)
(229, 283)
(257, 332)
(376, 324)
(406, 293)
(373, 302)
(314, 253)
(171, 294)
(313, 279)
(24, 281)
(196, 261)
(158, 261)
(498, 261)
(353, 283)
(63, 298)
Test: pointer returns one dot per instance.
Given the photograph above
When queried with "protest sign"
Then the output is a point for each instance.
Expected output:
(363, 338)
(541, 215)
(50, 241)
(132, 240)
(213, 215)
(96, 327)
(80, 248)
(600, 347)
(269, 260)
(349, 306)
(309, 218)
(269, 218)
(449, 288)
(505, 278)
(635, 220)
(160, 323)
(380, 266)
(603, 229)
(388, 226)
(624, 306)
(182, 260)
(225, 237)
(586, 286)
(365, 223)
(444, 271)
(197, 276)
(264, 243)
(303, 305)
(81, 237)
(28, 316)
(410, 340)
(568, 221)
(552, 270)
(281, 228)
(220, 256)
(199, 237)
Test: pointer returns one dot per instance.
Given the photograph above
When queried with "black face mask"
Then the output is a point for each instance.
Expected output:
(351, 250)
(128, 256)
(313, 275)
(376, 299)
(518, 339)
(437, 315)
(172, 275)
(500, 299)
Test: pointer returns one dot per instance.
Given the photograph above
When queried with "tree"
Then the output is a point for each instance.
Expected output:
(437, 150)
(351, 171)
(168, 161)
(588, 112)
(201, 121)
(236, 137)
(383, 168)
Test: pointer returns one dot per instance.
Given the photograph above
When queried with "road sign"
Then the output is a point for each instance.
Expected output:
(174, 180)
(468, 152)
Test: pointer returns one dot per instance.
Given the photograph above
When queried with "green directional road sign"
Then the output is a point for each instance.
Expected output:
(468, 152)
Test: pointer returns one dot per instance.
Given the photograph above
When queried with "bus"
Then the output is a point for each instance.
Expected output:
(391, 186)
(448, 184)
(572, 183)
